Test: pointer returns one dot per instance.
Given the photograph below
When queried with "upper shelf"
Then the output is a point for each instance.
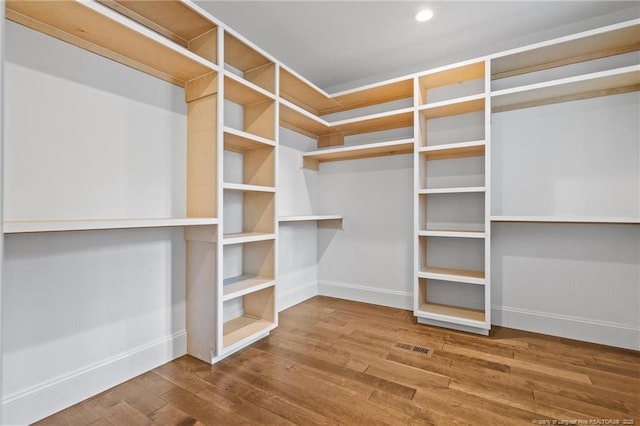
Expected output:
(590, 45)
(98, 29)
(28, 226)
(456, 106)
(308, 97)
(568, 219)
(453, 150)
(311, 159)
(243, 92)
(602, 83)
(255, 67)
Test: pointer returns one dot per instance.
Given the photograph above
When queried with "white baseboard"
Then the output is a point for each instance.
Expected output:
(297, 295)
(42, 400)
(359, 293)
(585, 329)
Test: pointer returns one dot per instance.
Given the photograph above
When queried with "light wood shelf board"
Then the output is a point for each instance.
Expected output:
(246, 237)
(567, 219)
(455, 190)
(603, 83)
(451, 234)
(247, 188)
(371, 95)
(240, 56)
(404, 146)
(453, 150)
(105, 32)
(173, 19)
(303, 94)
(375, 122)
(590, 45)
(242, 92)
(27, 226)
(449, 312)
(295, 118)
(241, 285)
(453, 274)
(242, 328)
(457, 106)
(239, 141)
(309, 218)
(446, 77)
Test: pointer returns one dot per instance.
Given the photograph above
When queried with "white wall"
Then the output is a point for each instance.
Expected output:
(88, 138)
(1, 180)
(298, 241)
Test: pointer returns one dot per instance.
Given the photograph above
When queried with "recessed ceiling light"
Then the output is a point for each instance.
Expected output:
(424, 15)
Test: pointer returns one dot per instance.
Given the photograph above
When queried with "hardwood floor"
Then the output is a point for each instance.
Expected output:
(333, 361)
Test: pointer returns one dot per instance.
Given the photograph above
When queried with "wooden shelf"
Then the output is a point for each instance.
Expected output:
(567, 219)
(241, 56)
(450, 313)
(379, 93)
(243, 328)
(451, 234)
(600, 43)
(473, 103)
(239, 141)
(176, 20)
(246, 237)
(28, 226)
(243, 92)
(620, 80)
(309, 218)
(247, 188)
(311, 159)
(299, 120)
(303, 94)
(453, 150)
(456, 190)
(451, 75)
(105, 32)
(452, 274)
(241, 285)
(375, 122)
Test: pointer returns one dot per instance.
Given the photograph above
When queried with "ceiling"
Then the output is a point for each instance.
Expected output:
(343, 44)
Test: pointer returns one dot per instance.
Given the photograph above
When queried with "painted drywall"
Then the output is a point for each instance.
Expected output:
(297, 241)
(87, 138)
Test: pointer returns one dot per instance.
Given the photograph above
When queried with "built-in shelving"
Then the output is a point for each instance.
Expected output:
(243, 92)
(451, 233)
(244, 284)
(246, 237)
(299, 120)
(255, 67)
(239, 141)
(452, 274)
(591, 85)
(375, 122)
(456, 190)
(310, 218)
(27, 226)
(247, 188)
(242, 328)
(105, 32)
(379, 149)
(454, 314)
(457, 106)
(453, 150)
(567, 219)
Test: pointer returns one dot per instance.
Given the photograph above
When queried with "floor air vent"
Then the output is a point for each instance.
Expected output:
(420, 350)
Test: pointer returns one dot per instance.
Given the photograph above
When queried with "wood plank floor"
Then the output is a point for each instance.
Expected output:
(333, 361)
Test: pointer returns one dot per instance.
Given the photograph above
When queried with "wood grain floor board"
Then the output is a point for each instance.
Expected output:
(336, 362)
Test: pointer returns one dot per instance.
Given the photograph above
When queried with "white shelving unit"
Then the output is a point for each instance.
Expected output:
(27, 226)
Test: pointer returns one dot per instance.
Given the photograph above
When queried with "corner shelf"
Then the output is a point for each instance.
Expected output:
(100, 30)
(620, 80)
(453, 150)
(246, 237)
(452, 274)
(244, 284)
(299, 120)
(311, 159)
(375, 122)
(567, 219)
(30, 226)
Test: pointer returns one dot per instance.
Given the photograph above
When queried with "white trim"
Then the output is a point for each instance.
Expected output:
(296, 295)
(39, 401)
(360, 293)
(585, 329)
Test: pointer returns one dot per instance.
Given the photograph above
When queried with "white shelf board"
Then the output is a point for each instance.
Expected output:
(452, 234)
(247, 188)
(243, 328)
(567, 219)
(452, 274)
(309, 218)
(455, 190)
(565, 89)
(27, 226)
(241, 285)
(453, 150)
(452, 314)
(238, 140)
(246, 237)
